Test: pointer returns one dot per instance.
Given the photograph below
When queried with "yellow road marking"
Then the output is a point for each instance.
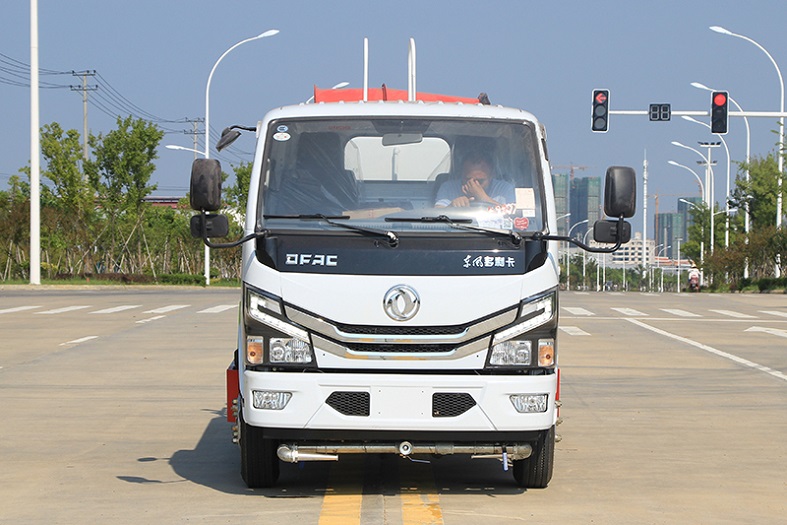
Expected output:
(340, 509)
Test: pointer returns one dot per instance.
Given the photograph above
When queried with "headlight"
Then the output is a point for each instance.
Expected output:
(289, 351)
(534, 314)
(511, 353)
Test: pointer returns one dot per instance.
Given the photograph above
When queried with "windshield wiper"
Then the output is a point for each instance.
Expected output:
(461, 224)
(306, 217)
(391, 237)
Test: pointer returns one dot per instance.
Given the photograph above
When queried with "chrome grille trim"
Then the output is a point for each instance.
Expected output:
(471, 331)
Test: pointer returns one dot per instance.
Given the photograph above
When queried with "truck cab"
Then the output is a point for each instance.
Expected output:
(400, 284)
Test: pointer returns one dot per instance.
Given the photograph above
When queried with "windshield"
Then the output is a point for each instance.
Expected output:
(402, 174)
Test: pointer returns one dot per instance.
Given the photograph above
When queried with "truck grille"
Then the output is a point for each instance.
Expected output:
(446, 404)
(349, 403)
(401, 330)
(401, 348)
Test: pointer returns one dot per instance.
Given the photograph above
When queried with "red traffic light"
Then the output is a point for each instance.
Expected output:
(720, 99)
(601, 97)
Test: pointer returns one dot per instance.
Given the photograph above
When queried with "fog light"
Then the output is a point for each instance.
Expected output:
(546, 352)
(289, 351)
(270, 400)
(511, 353)
(254, 347)
(530, 403)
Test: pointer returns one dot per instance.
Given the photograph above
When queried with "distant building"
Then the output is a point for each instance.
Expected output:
(560, 184)
(162, 201)
(670, 233)
(581, 197)
(686, 210)
(585, 203)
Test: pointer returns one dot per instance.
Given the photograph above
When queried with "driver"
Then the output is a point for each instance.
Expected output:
(476, 185)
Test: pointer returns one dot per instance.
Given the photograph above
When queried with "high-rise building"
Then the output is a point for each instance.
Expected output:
(585, 203)
(685, 209)
(560, 183)
(670, 233)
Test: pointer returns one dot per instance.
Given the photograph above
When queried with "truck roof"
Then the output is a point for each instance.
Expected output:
(400, 108)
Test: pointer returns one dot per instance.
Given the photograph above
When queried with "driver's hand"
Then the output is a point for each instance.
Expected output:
(473, 189)
(461, 202)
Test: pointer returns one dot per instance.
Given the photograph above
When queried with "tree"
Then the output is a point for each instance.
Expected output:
(120, 175)
(69, 204)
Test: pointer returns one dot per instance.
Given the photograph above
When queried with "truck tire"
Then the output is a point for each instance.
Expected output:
(259, 465)
(535, 472)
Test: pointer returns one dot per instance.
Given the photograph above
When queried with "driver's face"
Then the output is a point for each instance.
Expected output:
(479, 172)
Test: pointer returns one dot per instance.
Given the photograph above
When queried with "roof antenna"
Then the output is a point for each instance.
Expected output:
(411, 72)
(365, 69)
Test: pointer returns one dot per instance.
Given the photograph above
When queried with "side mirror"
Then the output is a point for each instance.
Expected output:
(212, 225)
(620, 192)
(228, 136)
(205, 188)
(611, 231)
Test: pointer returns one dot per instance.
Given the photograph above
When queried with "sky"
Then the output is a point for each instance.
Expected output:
(152, 59)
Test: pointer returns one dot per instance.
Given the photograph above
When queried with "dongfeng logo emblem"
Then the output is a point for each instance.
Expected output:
(401, 303)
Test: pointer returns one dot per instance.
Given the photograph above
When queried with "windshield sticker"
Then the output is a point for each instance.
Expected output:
(521, 223)
(501, 223)
(281, 136)
(282, 128)
(525, 199)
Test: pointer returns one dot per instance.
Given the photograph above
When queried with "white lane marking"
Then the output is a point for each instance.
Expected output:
(17, 309)
(680, 313)
(155, 318)
(167, 309)
(774, 312)
(80, 340)
(772, 331)
(720, 353)
(62, 310)
(730, 313)
(581, 293)
(217, 309)
(630, 311)
(574, 310)
(573, 330)
(116, 309)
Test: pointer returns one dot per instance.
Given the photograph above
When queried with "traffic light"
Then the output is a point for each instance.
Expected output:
(600, 117)
(719, 100)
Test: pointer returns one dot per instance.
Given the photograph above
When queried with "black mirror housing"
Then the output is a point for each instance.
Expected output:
(610, 232)
(212, 225)
(228, 136)
(620, 192)
(205, 188)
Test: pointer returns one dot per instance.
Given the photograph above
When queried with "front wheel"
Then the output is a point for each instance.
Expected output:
(535, 472)
(259, 465)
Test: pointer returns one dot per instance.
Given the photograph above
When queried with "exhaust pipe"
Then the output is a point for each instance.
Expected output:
(291, 454)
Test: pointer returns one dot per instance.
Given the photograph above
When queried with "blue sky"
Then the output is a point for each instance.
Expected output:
(545, 57)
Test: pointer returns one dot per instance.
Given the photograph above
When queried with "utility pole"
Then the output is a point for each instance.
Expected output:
(644, 211)
(195, 132)
(84, 88)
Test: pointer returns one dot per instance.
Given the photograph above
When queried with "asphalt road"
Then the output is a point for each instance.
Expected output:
(112, 411)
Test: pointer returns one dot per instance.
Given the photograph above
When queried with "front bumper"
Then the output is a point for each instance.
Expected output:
(471, 404)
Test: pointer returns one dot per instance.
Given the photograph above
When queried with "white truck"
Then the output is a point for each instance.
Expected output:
(379, 314)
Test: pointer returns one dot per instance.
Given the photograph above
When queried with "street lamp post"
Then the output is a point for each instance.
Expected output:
(702, 239)
(658, 265)
(780, 158)
(709, 186)
(727, 196)
(699, 180)
(268, 33)
(568, 249)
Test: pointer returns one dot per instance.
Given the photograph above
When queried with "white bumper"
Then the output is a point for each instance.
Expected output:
(399, 402)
